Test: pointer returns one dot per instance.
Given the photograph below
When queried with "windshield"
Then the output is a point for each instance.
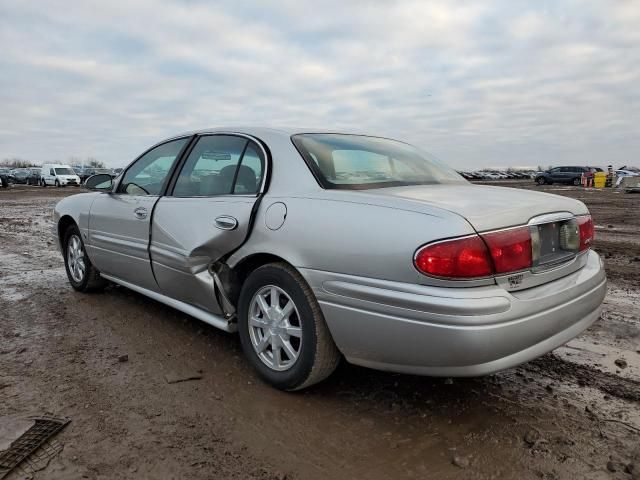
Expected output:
(357, 162)
(64, 171)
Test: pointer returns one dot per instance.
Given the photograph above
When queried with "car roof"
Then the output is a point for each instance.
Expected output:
(262, 132)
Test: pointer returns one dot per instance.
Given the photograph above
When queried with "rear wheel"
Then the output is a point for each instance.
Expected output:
(577, 182)
(82, 275)
(282, 330)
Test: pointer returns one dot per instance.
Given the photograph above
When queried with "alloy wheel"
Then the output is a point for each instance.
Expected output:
(274, 328)
(75, 258)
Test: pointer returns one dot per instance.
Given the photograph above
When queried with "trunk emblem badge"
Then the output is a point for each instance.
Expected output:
(515, 280)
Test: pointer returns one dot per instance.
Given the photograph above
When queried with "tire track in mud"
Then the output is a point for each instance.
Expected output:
(552, 366)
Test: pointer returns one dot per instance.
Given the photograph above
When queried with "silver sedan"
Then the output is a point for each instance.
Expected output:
(317, 246)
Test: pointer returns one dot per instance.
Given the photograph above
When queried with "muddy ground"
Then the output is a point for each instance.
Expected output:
(101, 360)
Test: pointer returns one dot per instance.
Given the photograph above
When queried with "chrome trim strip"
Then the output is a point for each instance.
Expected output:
(550, 218)
(217, 321)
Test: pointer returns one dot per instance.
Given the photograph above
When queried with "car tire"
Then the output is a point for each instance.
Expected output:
(577, 181)
(75, 257)
(541, 181)
(43, 183)
(314, 354)
(57, 184)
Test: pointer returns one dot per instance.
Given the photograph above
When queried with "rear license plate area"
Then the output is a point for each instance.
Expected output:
(554, 243)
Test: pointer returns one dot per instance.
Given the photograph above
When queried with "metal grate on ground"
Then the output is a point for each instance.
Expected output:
(43, 429)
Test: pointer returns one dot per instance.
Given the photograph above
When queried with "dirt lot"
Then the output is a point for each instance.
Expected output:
(575, 413)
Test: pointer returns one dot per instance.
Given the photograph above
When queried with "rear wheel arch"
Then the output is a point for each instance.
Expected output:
(243, 268)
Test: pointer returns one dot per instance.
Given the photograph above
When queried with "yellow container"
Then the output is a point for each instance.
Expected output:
(599, 179)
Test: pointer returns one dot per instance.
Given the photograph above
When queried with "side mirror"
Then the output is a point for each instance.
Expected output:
(103, 182)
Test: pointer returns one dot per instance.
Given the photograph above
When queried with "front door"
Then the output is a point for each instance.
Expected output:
(119, 221)
(49, 176)
(205, 215)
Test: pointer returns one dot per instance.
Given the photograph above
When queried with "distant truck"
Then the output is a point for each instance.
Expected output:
(58, 175)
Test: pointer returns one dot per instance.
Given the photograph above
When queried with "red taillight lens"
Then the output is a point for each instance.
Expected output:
(587, 232)
(510, 249)
(460, 258)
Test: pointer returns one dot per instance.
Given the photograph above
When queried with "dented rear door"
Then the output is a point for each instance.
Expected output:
(206, 215)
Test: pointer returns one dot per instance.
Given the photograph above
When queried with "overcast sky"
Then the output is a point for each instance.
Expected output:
(476, 83)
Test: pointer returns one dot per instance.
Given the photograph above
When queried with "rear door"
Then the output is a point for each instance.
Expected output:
(119, 222)
(205, 215)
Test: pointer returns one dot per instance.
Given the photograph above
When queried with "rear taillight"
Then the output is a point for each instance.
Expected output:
(502, 251)
(510, 249)
(466, 257)
(478, 255)
(587, 232)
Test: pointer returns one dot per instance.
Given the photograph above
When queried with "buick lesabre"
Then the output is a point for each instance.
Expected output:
(317, 246)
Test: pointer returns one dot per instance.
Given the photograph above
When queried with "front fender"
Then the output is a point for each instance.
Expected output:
(75, 208)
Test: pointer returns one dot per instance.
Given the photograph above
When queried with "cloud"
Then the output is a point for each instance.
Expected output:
(482, 83)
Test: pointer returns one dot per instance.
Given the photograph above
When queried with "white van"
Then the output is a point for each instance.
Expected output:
(58, 175)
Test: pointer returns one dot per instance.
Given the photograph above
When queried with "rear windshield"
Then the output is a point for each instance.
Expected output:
(64, 171)
(357, 162)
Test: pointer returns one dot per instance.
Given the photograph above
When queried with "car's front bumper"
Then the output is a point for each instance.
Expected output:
(455, 331)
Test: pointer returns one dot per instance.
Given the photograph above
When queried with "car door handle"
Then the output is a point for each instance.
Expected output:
(140, 212)
(225, 222)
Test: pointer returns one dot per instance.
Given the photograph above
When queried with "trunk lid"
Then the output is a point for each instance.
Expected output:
(489, 208)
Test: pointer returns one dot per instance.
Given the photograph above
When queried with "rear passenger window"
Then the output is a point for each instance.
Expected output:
(220, 165)
(250, 171)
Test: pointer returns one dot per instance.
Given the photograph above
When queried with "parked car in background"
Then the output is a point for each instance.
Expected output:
(492, 176)
(34, 176)
(117, 171)
(20, 175)
(58, 175)
(405, 266)
(568, 175)
(4, 177)
(90, 171)
(627, 173)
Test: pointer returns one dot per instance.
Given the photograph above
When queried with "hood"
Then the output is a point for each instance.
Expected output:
(485, 207)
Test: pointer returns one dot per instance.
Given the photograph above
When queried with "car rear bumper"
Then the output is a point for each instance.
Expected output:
(455, 331)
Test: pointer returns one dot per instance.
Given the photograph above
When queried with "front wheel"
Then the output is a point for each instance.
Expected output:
(282, 330)
(541, 181)
(57, 184)
(43, 182)
(82, 275)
